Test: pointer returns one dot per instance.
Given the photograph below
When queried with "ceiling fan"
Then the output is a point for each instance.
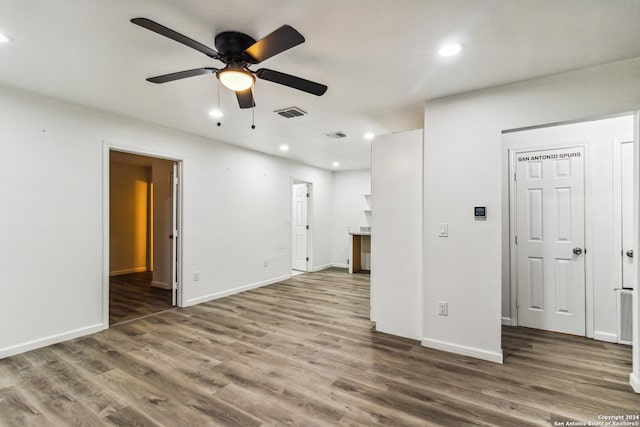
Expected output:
(238, 51)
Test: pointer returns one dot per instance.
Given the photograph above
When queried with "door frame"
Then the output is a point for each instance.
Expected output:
(617, 203)
(588, 227)
(309, 184)
(107, 147)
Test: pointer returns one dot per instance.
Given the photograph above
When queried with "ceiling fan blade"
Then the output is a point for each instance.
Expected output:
(167, 32)
(292, 81)
(278, 41)
(181, 75)
(245, 98)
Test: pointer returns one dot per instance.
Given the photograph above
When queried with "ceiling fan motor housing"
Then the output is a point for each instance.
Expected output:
(231, 47)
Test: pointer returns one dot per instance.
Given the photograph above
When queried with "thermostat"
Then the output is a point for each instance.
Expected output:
(480, 212)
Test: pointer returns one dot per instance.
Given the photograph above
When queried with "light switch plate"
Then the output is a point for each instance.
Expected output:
(443, 308)
(443, 229)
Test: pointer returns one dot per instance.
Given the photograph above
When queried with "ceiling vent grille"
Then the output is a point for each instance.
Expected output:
(291, 112)
(336, 135)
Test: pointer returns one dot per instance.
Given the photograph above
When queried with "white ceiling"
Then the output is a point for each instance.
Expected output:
(378, 58)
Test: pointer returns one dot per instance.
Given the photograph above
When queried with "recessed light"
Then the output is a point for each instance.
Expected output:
(4, 39)
(284, 147)
(369, 135)
(216, 113)
(336, 164)
(450, 49)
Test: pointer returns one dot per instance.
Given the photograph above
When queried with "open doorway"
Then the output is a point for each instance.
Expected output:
(300, 227)
(568, 212)
(143, 217)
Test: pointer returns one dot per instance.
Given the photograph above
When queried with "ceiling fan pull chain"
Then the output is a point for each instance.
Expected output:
(253, 109)
(219, 124)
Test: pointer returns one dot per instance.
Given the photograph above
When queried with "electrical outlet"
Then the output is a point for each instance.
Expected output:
(266, 263)
(196, 276)
(443, 308)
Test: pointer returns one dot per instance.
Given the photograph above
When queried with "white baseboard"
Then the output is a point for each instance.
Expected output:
(387, 329)
(605, 336)
(478, 353)
(322, 267)
(160, 285)
(233, 291)
(127, 271)
(507, 321)
(634, 380)
(339, 265)
(53, 339)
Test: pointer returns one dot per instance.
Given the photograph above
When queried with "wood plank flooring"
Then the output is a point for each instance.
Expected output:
(131, 296)
(302, 352)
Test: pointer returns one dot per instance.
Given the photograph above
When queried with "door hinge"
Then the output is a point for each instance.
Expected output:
(516, 240)
(307, 227)
(307, 195)
(515, 176)
(517, 304)
(307, 259)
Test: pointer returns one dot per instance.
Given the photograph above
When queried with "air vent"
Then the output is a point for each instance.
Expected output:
(336, 135)
(291, 112)
(625, 316)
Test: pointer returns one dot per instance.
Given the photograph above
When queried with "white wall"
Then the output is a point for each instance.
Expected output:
(237, 208)
(348, 206)
(396, 233)
(462, 161)
(236, 215)
(602, 258)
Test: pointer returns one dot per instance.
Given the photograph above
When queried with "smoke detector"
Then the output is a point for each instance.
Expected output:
(291, 112)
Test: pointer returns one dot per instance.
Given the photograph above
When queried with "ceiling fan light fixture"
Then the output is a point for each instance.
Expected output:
(238, 51)
(236, 79)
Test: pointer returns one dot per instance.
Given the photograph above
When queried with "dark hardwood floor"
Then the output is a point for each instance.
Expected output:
(302, 352)
(131, 296)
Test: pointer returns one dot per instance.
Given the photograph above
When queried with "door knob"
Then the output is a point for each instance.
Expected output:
(630, 253)
(577, 251)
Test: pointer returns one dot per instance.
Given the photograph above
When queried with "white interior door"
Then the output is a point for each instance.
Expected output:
(626, 186)
(300, 228)
(550, 239)
(174, 235)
